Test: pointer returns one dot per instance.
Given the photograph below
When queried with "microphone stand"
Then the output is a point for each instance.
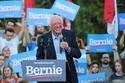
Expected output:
(44, 47)
(45, 53)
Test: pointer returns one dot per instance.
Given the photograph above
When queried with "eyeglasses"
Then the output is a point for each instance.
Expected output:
(105, 57)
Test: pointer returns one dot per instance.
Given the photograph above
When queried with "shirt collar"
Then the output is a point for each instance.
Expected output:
(56, 37)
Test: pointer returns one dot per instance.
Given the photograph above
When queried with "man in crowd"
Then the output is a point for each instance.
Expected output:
(105, 65)
(10, 40)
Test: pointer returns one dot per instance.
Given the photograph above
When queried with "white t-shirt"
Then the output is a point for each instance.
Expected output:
(12, 44)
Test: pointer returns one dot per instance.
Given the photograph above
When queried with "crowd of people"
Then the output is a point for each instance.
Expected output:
(112, 64)
(13, 37)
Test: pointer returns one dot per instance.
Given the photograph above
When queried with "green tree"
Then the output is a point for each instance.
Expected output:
(89, 19)
(43, 3)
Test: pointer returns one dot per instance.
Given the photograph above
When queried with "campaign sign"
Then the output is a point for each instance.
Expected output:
(44, 70)
(121, 21)
(18, 58)
(92, 78)
(66, 9)
(11, 9)
(82, 59)
(38, 16)
(100, 42)
(81, 68)
(81, 63)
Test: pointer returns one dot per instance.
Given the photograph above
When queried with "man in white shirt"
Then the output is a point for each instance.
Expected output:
(10, 40)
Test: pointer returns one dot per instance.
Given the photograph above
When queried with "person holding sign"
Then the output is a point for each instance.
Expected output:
(1, 64)
(119, 72)
(105, 59)
(59, 44)
(8, 75)
(6, 54)
(94, 68)
(10, 40)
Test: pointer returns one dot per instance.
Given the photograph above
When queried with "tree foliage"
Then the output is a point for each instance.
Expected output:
(89, 19)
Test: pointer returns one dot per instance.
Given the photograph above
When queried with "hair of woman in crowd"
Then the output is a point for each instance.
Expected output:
(94, 68)
(8, 75)
(119, 72)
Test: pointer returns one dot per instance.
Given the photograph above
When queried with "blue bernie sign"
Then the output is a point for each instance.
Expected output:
(92, 78)
(121, 21)
(100, 42)
(11, 9)
(38, 16)
(65, 8)
(81, 63)
(44, 70)
(18, 58)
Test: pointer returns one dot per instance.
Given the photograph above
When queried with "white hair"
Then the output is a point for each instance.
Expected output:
(54, 16)
(10, 23)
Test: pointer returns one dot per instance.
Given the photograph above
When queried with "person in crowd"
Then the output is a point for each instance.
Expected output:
(121, 46)
(8, 75)
(10, 40)
(94, 68)
(32, 43)
(18, 27)
(39, 30)
(24, 81)
(82, 46)
(80, 43)
(119, 72)
(1, 64)
(59, 44)
(6, 54)
(66, 24)
(105, 65)
(10, 25)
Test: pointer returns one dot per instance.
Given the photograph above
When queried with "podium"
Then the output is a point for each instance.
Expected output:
(44, 70)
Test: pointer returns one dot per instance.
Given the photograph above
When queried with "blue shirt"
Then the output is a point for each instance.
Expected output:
(59, 55)
(7, 62)
(32, 45)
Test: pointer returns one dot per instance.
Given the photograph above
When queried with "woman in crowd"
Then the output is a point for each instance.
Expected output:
(8, 75)
(1, 64)
(80, 43)
(39, 30)
(6, 54)
(82, 46)
(24, 81)
(119, 75)
(32, 45)
(94, 68)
